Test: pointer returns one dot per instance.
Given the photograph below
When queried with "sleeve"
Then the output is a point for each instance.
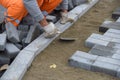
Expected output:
(64, 4)
(33, 9)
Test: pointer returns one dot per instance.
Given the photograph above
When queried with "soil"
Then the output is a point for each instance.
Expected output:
(58, 52)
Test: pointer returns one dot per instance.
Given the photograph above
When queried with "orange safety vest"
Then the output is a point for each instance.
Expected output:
(16, 9)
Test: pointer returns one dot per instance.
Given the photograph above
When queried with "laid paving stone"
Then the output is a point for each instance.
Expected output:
(118, 20)
(82, 60)
(103, 50)
(12, 33)
(113, 25)
(100, 40)
(51, 18)
(105, 67)
(2, 42)
(116, 55)
(4, 59)
(97, 39)
(114, 45)
(115, 31)
(113, 35)
(11, 50)
(23, 28)
(116, 13)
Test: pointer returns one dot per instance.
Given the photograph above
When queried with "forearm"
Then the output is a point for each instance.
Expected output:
(33, 9)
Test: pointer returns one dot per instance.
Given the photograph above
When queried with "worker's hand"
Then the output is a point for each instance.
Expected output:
(50, 30)
(65, 18)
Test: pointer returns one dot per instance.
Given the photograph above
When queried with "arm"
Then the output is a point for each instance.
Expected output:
(33, 9)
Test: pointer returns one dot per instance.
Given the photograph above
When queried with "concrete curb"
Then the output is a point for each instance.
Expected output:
(20, 65)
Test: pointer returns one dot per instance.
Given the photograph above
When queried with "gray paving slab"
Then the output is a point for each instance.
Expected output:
(103, 50)
(51, 18)
(19, 66)
(22, 34)
(12, 33)
(97, 39)
(4, 59)
(2, 41)
(105, 67)
(33, 33)
(114, 45)
(113, 35)
(11, 50)
(118, 73)
(115, 31)
(82, 60)
(118, 20)
(23, 27)
(116, 13)
(113, 25)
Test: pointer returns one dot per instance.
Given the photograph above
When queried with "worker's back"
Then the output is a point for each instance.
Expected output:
(6, 3)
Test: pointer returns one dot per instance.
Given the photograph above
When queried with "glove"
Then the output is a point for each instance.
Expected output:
(50, 30)
(65, 18)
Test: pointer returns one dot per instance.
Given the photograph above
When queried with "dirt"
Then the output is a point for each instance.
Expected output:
(59, 52)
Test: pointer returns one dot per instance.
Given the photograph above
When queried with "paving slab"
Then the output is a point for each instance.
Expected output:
(23, 27)
(33, 33)
(113, 35)
(113, 25)
(97, 39)
(82, 60)
(2, 41)
(114, 45)
(116, 13)
(105, 67)
(11, 50)
(12, 33)
(103, 50)
(4, 59)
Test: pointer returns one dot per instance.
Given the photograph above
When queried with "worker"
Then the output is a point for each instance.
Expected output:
(18, 9)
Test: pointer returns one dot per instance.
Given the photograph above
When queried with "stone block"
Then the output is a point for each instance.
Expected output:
(4, 59)
(51, 18)
(12, 33)
(103, 50)
(23, 28)
(97, 39)
(19, 66)
(82, 60)
(116, 13)
(114, 45)
(112, 35)
(113, 25)
(33, 33)
(108, 68)
(2, 41)
(11, 50)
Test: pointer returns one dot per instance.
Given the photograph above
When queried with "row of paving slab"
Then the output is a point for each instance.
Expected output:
(104, 55)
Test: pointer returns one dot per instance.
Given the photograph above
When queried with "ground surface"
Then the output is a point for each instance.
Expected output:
(59, 52)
